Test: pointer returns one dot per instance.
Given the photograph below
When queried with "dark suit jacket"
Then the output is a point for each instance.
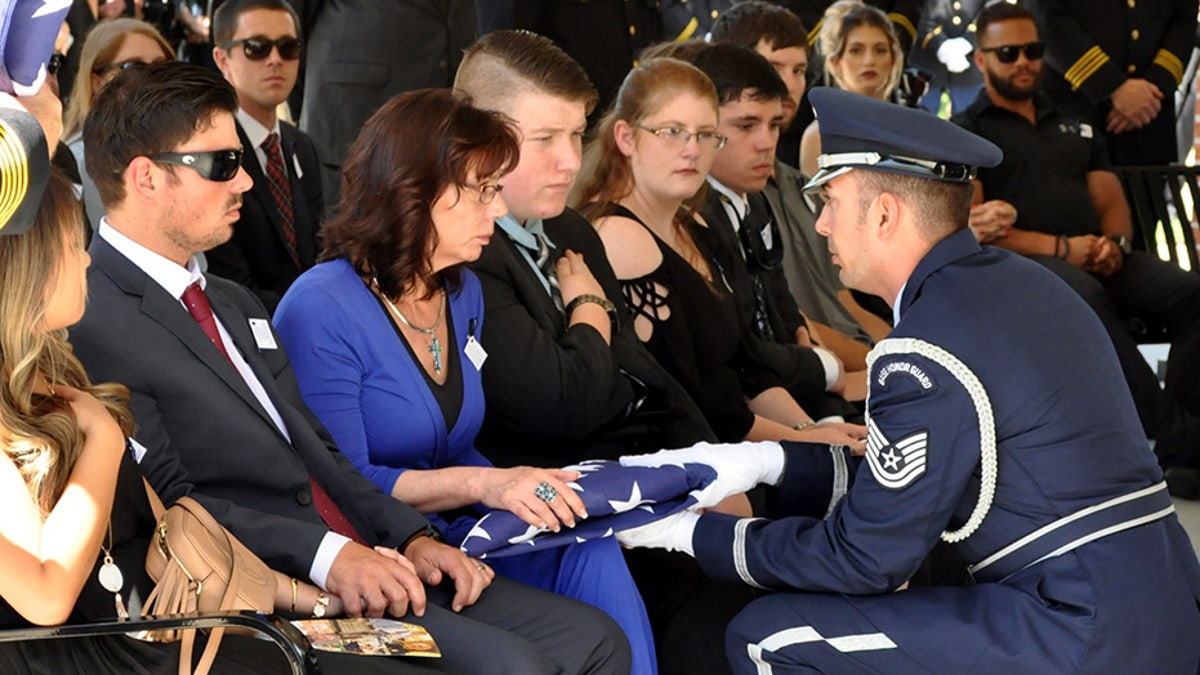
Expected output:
(257, 256)
(206, 434)
(555, 394)
(799, 367)
(361, 53)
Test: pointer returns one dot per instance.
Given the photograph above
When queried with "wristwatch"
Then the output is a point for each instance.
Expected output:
(321, 605)
(1122, 243)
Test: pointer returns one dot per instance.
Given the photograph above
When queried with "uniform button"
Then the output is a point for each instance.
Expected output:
(956, 20)
(1132, 4)
(632, 30)
(957, 6)
(1135, 34)
(304, 497)
(714, 13)
(1131, 69)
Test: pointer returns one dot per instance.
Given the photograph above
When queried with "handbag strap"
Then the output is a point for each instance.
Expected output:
(209, 655)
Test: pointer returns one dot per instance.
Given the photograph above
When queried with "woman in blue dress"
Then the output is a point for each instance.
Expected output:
(384, 338)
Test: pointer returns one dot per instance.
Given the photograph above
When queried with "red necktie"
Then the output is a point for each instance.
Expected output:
(197, 305)
(281, 191)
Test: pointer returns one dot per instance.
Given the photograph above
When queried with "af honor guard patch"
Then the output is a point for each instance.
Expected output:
(896, 465)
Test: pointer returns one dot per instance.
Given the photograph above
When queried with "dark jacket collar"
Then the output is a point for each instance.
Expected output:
(950, 250)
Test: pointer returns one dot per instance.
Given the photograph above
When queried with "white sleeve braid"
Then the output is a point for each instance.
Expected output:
(983, 411)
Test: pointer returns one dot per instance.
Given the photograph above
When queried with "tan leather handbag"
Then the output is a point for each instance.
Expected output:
(200, 567)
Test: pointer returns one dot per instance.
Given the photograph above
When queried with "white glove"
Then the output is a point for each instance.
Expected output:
(740, 466)
(953, 54)
(673, 533)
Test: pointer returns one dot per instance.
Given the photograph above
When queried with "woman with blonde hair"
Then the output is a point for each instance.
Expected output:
(109, 48)
(862, 54)
(651, 154)
(78, 517)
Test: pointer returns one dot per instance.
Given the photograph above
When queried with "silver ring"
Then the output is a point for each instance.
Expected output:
(480, 566)
(545, 492)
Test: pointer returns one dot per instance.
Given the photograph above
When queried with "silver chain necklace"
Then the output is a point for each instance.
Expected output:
(435, 346)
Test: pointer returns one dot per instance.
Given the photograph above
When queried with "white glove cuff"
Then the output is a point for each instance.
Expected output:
(680, 536)
(773, 461)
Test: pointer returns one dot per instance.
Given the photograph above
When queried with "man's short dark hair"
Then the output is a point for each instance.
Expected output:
(503, 63)
(1001, 11)
(226, 17)
(750, 22)
(145, 111)
(736, 70)
(940, 207)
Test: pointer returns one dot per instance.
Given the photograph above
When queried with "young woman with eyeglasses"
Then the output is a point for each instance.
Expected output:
(110, 47)
(649, 159)
(862, 54)
(384, 338)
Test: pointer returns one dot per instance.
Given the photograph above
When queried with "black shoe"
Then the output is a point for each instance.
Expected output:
(1183, 482)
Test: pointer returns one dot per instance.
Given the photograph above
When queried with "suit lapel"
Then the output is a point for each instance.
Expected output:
(539, 302)
(261, 190)
(301, 217)
(157, 304)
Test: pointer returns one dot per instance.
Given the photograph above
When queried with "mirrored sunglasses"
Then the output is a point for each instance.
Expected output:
(257, 49)
(215, 165)
(1009, 53)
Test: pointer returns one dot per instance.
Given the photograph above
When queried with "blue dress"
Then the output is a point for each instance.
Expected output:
(356, 374)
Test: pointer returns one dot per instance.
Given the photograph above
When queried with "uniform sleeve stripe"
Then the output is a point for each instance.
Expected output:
(903, 22)
(688, 30)
(929, 36)
(841, 478)
(815, 33)
(1171, 64)
(739, 552)
(1085, 67)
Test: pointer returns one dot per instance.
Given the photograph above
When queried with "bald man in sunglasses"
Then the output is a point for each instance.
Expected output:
(258, 50)
(1055, 199)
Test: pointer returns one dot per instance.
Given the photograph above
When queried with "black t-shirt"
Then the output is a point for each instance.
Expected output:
(1045, 166)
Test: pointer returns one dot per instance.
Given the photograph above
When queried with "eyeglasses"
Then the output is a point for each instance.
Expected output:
(122, 65)
(679, 137)
(1009, 53)
(55, 64)
(487, 192)
(215, 165)
(257, 49)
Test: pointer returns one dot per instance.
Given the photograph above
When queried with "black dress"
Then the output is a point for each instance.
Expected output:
(132, 526)
(698, 335)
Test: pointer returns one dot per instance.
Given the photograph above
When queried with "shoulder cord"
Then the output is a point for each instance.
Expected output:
(983, 410)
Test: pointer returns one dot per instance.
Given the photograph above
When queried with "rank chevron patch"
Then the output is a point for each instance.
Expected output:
(896, 465)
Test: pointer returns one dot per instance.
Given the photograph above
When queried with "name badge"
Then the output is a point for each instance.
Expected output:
(263, 336)
(296, 165)
(475, 352)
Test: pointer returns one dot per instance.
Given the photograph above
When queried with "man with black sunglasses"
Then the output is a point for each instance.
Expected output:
(258, 51)
(1055, 199)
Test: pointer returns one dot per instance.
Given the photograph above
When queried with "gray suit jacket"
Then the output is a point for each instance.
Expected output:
(207, 435)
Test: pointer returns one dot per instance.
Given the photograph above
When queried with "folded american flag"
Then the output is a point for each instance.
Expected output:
(27, 32)
(616, 497)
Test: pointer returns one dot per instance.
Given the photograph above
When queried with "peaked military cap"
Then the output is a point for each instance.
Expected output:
(859, 132)
(24, 169)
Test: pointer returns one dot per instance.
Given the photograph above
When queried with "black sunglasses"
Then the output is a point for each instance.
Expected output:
(55, 64)
(215, 165)
(1009, 53)
(257, 49)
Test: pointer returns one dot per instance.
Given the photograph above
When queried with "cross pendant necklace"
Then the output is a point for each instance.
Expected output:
(435, 345)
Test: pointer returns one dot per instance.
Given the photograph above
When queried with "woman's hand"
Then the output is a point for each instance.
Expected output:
(836, 433)
(575, 278)
(516, 490)
(93, 418)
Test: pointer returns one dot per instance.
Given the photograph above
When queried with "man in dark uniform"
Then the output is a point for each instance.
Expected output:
(1117, 64)
(1073, 220)
(1029, 459)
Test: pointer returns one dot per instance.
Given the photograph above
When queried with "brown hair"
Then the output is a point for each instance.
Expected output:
(941, 207)
(145, 111)
(645, 89)
(40, 433)
(502, 63)
(753, 21)
(416, 147)
(101, 45)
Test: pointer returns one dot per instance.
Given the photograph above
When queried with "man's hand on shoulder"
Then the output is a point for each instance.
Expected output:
(434, 561)
(370, 583)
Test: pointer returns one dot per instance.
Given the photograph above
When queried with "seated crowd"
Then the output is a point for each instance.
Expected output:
(352, 386)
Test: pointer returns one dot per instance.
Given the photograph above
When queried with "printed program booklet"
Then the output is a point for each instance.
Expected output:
(368, 637)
